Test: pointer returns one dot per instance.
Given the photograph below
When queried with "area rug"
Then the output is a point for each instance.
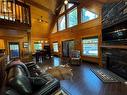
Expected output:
(106, 76)
(62, 72)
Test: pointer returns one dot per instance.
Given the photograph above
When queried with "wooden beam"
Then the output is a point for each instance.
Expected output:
(54, 18)
(33, 3)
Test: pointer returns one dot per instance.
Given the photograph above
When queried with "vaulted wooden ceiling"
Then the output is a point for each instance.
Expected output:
(46, 9)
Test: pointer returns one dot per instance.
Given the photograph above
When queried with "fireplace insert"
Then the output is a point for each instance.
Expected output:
(116, 61)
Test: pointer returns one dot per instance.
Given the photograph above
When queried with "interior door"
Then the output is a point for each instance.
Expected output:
(67, 47)
(14, 50)
(71, 46)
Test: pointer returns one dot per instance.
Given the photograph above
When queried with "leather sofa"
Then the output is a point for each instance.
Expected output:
(21, 82)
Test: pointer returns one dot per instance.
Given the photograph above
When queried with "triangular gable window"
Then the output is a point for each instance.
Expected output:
(69, 5)
(87, 15)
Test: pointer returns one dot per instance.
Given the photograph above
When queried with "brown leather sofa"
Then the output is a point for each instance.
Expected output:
(21, 82)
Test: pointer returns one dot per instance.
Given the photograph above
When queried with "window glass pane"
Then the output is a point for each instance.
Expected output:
(37, 46)
(72, 18)
(14, 50)
(69, 5)
(90, 47)
(87, 15)
(61, 23)
(55, 47)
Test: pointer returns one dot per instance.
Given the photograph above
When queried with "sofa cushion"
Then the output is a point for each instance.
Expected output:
(21, 84)
(11, 92)
(38, 81)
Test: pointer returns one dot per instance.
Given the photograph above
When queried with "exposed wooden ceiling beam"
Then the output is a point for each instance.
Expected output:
(54, 19)
(33, 3)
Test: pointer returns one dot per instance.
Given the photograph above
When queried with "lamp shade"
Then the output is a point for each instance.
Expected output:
(2, 46)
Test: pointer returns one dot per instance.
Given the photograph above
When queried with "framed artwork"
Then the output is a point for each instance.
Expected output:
(25, 44)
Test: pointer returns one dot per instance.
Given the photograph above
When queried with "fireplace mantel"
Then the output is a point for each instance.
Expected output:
(114, 46)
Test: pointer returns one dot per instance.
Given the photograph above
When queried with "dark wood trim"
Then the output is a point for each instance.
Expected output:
(114, 46)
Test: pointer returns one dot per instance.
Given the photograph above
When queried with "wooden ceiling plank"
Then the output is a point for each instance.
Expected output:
(33, 3)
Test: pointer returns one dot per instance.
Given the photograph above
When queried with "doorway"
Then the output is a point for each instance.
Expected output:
(67, 47)
(14, 50)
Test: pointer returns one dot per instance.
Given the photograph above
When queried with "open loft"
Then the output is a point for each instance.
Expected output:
(63, 47)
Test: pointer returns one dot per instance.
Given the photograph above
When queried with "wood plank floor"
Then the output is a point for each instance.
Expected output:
(85, 82)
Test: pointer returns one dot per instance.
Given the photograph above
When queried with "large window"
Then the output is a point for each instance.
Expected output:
(87, 15)
(37, 46)
(55, 47)
(90, 47)
(61, 23)
(72, 18)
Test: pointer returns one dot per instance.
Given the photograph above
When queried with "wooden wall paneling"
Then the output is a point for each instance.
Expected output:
(88, 29)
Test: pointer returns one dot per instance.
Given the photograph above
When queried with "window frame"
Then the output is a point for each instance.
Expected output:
(37, 43)
(87, 38)
(58, 23)
(67, 6)
(89, 11)
(75, 8)
(57, 46)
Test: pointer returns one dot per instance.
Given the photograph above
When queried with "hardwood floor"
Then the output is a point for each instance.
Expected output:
(85, 82)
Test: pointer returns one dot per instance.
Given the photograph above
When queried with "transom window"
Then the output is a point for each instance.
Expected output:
(69, 5)
(61, 23)
(87, 15)
(69, 18)
(90, 46)
(72, 18)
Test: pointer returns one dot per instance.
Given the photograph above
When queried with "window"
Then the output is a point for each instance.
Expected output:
(61, 23)
(90, 47)
(37, 46)
(14, 50)
(55, 47)
(69, 5)
(72, 18)
(87, 15)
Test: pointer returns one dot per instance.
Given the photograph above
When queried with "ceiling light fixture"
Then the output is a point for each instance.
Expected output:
(41, 20)
(65, 2)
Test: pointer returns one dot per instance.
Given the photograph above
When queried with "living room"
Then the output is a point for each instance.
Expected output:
(66, 47)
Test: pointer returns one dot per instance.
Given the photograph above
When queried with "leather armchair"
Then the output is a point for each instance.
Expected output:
(19, 82)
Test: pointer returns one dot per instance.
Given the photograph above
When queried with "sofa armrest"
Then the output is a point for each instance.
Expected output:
(49, 88)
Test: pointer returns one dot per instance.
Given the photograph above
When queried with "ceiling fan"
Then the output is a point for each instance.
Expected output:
(41, 20)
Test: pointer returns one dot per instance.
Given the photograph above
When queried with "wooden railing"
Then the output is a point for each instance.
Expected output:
(14, 12)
